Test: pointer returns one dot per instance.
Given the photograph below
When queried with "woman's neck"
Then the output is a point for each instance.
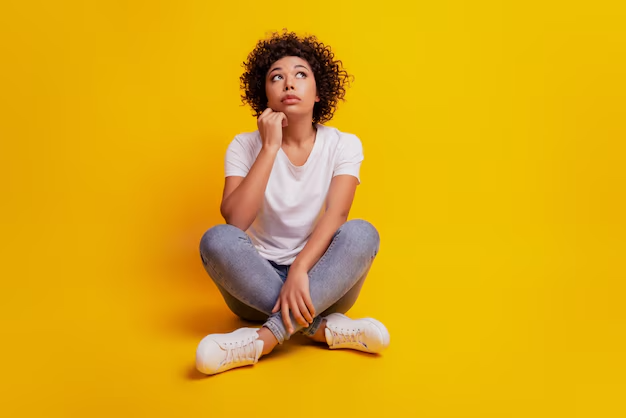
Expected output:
(299, 133)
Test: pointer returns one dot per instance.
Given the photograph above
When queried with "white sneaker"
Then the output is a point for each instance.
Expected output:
(217, 353)
(366, 334)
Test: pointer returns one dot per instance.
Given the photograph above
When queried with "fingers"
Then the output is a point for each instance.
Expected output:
(309, 304)
(270, 115)
(305, 312)
(297, 313)
(276, 306)
(286, 319)
(295, 298)
(265, 113)
(278, 117)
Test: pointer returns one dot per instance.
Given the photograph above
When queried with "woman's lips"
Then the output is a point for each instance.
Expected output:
(291, 100)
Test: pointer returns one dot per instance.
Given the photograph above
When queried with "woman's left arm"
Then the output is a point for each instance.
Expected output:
(294, 295)
(338, 203)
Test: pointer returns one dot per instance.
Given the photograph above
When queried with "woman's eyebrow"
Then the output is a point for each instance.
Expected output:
(295, 66)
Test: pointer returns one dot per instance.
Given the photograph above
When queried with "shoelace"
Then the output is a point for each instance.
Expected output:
(240, 353)
(343, 336)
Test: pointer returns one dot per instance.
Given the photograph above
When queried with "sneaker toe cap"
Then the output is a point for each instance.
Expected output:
(378, 336)
(208, 356)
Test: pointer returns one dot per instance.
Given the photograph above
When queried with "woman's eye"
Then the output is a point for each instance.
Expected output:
(299, 74)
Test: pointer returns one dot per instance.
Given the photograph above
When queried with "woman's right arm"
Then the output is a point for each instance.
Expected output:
(243, 196)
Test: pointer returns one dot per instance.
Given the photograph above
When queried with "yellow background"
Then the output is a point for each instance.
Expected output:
(494, 170)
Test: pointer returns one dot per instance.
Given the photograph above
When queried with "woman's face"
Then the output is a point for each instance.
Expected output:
(290, 87)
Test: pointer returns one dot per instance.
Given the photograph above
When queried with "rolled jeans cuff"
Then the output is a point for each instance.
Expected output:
(275, 324)
(312, 329)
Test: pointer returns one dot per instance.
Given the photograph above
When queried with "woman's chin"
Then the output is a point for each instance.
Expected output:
(293, 112)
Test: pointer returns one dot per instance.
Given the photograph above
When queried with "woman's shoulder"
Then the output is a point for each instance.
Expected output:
(334, 134)
(247, 140)
(247, 136)
(338, 138)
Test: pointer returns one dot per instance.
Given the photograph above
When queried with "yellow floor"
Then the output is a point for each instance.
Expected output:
(111, 331)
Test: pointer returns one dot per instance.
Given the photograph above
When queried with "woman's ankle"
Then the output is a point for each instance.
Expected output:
(269, 340)
(320, 334)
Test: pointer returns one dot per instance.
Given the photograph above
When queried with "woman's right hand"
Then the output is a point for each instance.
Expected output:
(271, 125)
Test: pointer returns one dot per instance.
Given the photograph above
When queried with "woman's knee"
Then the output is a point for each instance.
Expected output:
(361, 234)
(219, 239)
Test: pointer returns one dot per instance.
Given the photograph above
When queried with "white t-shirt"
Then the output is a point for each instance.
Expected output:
(295, 196)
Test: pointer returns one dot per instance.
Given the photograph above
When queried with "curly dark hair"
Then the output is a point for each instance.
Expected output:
(330, 77)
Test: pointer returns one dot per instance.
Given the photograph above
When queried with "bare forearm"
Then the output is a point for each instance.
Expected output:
(242, 205)
(319, 241)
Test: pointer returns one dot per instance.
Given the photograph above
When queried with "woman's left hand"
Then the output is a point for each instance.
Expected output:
(295, 296)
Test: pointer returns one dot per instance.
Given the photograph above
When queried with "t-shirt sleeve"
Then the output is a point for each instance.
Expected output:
(238, 159)
(349, 157)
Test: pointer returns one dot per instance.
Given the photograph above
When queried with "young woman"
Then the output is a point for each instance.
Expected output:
(287, 255)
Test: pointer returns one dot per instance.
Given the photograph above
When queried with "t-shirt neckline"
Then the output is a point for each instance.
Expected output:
(313, 150)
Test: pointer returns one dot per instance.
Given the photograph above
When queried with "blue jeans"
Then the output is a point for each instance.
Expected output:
(251, 285)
